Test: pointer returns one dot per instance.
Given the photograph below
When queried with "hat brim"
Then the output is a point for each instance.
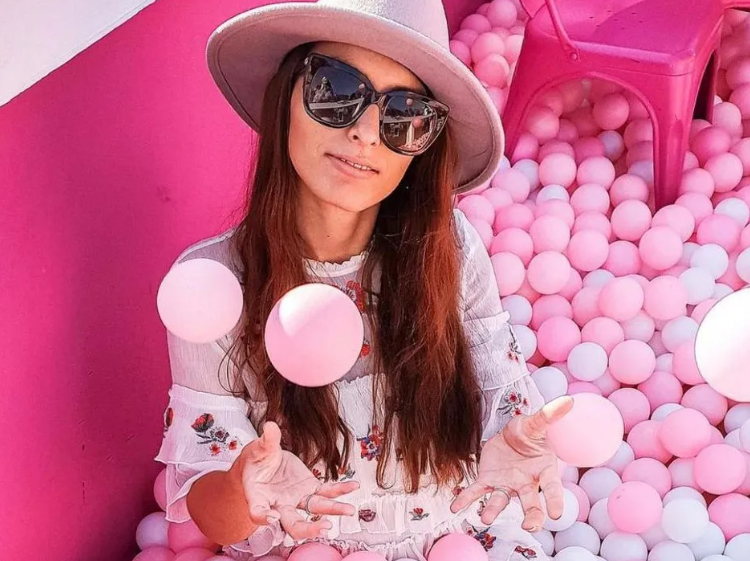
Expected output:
(244, 53)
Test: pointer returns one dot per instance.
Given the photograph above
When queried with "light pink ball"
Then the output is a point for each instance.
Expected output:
(660, 388)
(527, 148)
(633, 406)
(741, 149)
(650, 471)
(509, 272)
(513, 216)
(728, 116)
(494, 70)
(719, 229)
(660, 247)
(186, 535)
(542, 122)
(549, 306)
(556, 337)
(634, 507)
(628, 187)
(516, 183)
(710, 142)
(315, 552)
(727, 171)
(584, 504)
(155, 554)
(632, 362)
(720, 469)
(486, 44)
(559, 169)
(641, 327)
(698, 180)
(461, 51)
(548, 272)
(597, 170)
(466, 36)
(498, 199)
(502, 13)
(586, 304)
(583, 387)
(588, 250)
(681, 472)
(588, 146)
(607, 384)
(623, 259)
(621, 299)
(572, 286)
(731, 513)
(699, 205)
(677, 218)
(631, 219)
(477, 23)
(552, 147)
(684, 366)
(549, 233)
(557, 208)
(590, 197)
(194, 554)
(685, 432)
(638, 130)
(448, 548)
(477, 207)
(516, 241)
(708, 401)
(596, 221)
(644, 440)
(603, 331)
(665, 298)
(612, 111)
(513, 48)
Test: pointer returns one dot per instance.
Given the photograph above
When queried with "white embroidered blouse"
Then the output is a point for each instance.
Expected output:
(205, 427)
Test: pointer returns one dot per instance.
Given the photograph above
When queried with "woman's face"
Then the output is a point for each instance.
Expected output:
(315, 149)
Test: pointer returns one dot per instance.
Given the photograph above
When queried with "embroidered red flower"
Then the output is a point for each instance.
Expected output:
(216, 438)
(370, 444)
(418, 513)
(365, 349)
(483, 537)
(527, 552)
(355, 291)
(346, 473)
(367, 514)
(457, 490)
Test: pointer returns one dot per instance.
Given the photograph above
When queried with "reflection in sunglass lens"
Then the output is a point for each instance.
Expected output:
(335, 96)
(408, 123)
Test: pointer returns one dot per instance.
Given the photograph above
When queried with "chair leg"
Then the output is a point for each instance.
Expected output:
(671, 134)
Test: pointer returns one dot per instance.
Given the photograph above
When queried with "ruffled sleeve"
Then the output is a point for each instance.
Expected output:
(498, 362)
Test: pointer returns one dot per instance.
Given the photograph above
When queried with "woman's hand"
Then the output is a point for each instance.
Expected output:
(517, 461)
(277, 483)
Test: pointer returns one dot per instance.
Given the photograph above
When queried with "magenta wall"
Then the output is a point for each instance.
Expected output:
(110, 167)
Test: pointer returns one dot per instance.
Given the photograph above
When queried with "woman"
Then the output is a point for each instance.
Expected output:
(355, 188)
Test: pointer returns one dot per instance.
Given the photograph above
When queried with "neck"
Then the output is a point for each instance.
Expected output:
(333, 234)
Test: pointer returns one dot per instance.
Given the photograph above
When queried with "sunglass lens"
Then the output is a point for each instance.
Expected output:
(334, 96)
(409, 124)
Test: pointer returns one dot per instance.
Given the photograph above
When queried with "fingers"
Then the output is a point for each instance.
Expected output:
(497, 503)
(335, 490)
(322, 505)
(532, 508)
(298, 528)
(552, 487)
(473, 492)
(261, 512)
(552, 412)
(267, 443)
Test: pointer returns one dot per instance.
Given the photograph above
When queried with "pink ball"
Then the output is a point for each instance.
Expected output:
(543, 123)
(719, 229)
(631, 219)
(731, 513)
(685, 432)
(727, 171)
(549, 234)
(573, 286)
(612, 111)
(194, 554)
(477, 207)
(588, 250)
(649, 471)
(586, 304)
(632, 362)
(699, 181)
(588, 147)
(557, 208)
(634, 507)
(590, 434)
(677, 218)
(559, 169)
(556, 337)
(710, 142)
(597, 170)
(595, 221)
(681, 472)
(621, 299)
(466, 36)
(633, 406)
(160, 489)
(477, 23)
(548, 272)
(494, 70)
(644, 440)
(461, 51)
(486, 44)
(186, 535)
(638, 130)
(583, 387)
(527, 148)
(660, 388)
(684, 366)
(549, 306)
(316, 552)
(498, 199)
(513, 48)
(603, 331)
(624, 258)
(516, 241)
(741, 149)
(513, 216)
(551, 148)
(449, 548)
(509, 272)
(708, 401)
(720, 469)
(513, 182)
(660, 247)
(502, 13)
(665, 298)
(628, 187)
(314, 334)
(152, 531)
(155, 554)
(584, 505)
(590, 197)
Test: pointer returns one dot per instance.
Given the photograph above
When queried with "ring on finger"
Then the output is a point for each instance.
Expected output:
(505, 491)
(306, 508)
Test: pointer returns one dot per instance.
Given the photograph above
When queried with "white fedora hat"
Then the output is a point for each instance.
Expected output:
(245, 52)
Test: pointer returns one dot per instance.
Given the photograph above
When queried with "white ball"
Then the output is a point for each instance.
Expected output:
(546, 540)
(599, 519)
(712, 542)
(733, 439)
(678, 331)
(152, 531)
(684, 520)
(526, 340)
(743, 265)
(654, 535)
(745, 436)
(575, 553)
(597, 277)
(519, 308)
(599, 483)
(614, 145)
(641, 327)
(717, 558)
(688, 250)
(530, 169)
(661, 412)
(621, 459)
(580, 534)
(684, 493)
(671, 551)
(664, 362)
(504, 163)
(699, 283)
(736, 416)
(738, 548)
(550, 382)
(736, 209)
(587, 361)
(619, 546)
(721, 290)
(552, 192)
(712, 258)
(569, 516)
(681, 470)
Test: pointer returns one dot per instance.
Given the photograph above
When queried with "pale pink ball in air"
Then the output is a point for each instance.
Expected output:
(631, 219)
(548, 272)
(660, 247)
(556, 337)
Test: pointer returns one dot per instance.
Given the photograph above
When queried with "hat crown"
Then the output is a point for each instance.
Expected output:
(426, 17)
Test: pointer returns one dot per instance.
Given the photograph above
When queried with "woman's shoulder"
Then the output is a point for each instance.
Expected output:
(217, 248)
(467, 235)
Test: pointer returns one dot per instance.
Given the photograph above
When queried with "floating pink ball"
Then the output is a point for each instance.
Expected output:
(660, 247)
(634, 407)
(644, 440)
(548, 272)
(449, 548)
(720, 469)
(588, 250)
(559, 169)
(660, 388)
(632, 362)
(685, 432)
(621, 299)
(665, 298)
(556, 337)
(549, 233)
(634, 507)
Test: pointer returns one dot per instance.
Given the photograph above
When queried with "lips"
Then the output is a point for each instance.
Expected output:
(348, 160)
(349, 170)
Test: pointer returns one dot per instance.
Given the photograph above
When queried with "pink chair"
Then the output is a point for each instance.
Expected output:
(659, 49)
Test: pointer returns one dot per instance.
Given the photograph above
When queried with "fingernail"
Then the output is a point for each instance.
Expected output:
(272, 518)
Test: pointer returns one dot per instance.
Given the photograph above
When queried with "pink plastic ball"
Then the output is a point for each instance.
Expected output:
(586, 304)
(549, 306)
(152, 531)
(315, 552)
(451, 547)
(466, 36)
(708, 401)
(726, 170)
(644, 440)
(634, 507)
(699, 205)
(559, 169)
(186, 535)
(588, 250)
(660, 247)
(155, 554)
(632, 362)
(477, 207)
(628, 187)
(597, 170)
(595, 221)
(638, 130)
(498, 199)
(709, 142)
(557, 208)
(719, 229)
(542, 122)
(590, 197)
(527, 147)
(314, 334)
(720, 469)
(685, 367)
(509, 272)
(556, 337)
(160, 489)
(660, 388)
(548, 272)
(731, 513)
(556, 146)
(621, 299)
(583, 387)
(502, 13)
(494, 70)
(584, 504)
(477, 23)
(623, 259)
(513, 216)
(633, 406)
(590, 434)
(588, 147)
(677, 218)
(665, 298)
(549, 234)
(699, 181)
(612, 111)
(461, 51)
(486, 44)
(631, 219)
(194, 554)
(516, 241)
(650, 471)
(604, 331)
(685, 432)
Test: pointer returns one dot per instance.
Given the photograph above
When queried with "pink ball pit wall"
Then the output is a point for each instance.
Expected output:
(111, 166)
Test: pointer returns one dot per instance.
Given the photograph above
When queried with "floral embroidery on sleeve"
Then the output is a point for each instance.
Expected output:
(367, 514)
(514, 349)
(482, 536)
(525, 552)
(346, 473)
(216, 438)
(418, 513)
(370, 444)
(355, 291)
(365, 349)
(514, 403)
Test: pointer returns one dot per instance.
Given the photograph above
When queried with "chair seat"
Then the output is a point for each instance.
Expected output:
(657, 36)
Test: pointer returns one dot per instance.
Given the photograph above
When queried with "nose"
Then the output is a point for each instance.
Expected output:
(366, 129)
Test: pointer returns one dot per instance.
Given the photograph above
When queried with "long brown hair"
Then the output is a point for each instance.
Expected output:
(431, 406)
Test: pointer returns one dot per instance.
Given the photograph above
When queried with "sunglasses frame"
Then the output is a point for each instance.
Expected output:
(314, 61)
